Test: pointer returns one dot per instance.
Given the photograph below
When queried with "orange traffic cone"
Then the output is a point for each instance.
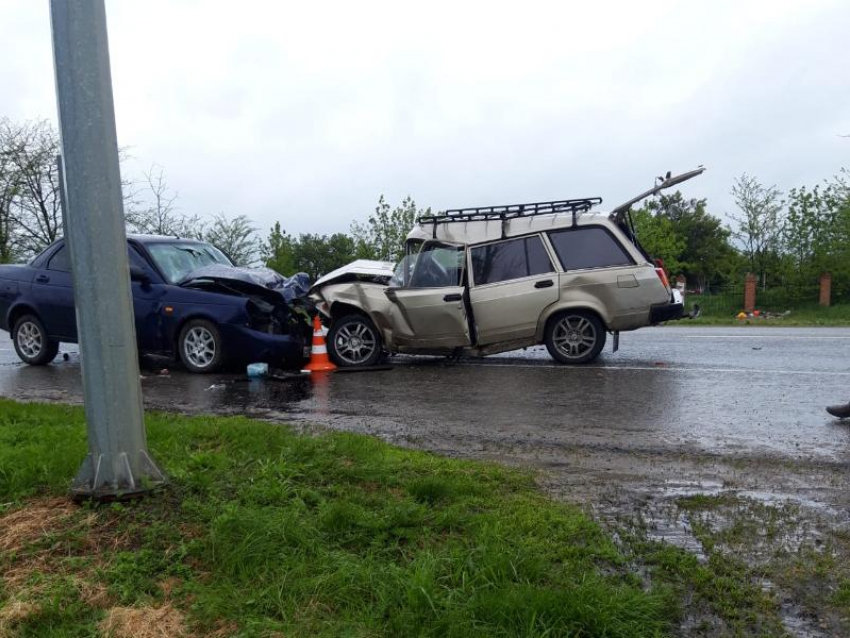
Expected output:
(319, 361)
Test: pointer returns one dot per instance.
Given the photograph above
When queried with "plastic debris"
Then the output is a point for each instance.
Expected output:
(257, 370)
(164, 372)
(741, 316)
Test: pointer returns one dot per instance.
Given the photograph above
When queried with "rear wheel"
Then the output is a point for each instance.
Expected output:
(575, 336)
(32, 343)
(200, 346)
(354, 342)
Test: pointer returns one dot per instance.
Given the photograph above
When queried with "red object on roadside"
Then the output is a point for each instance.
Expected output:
(319, 361)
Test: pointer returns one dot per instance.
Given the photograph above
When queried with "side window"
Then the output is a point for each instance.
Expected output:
(135, 258)
(438, 266)
(512, 259)
(61, 260)
(588, 248)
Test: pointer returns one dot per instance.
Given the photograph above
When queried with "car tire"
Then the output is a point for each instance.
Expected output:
(575, 337)
(354, 342)
(200, 347)
(32, 343)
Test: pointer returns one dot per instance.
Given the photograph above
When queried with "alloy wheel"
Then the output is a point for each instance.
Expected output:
(355, 343)
(574, 336)
(199, 346)
(30, 340)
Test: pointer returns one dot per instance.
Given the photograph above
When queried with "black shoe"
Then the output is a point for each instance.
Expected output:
(839, 411)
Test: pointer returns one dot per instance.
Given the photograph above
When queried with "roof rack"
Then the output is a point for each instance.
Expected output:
(510, 211)
(487, 213)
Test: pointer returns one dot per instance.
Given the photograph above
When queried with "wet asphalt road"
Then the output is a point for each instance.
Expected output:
(733, 392)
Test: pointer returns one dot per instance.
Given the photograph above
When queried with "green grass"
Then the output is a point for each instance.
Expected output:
(802, 316)
(263, 530)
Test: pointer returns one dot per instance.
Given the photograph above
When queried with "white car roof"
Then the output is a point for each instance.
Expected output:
(478, 231)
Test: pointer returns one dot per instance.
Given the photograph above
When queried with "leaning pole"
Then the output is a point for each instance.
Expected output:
(118, 464)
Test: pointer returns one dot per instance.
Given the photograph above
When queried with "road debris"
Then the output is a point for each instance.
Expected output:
(257, 370)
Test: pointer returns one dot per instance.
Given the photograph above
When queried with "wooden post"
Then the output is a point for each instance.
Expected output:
(825, 289)
(750, 282)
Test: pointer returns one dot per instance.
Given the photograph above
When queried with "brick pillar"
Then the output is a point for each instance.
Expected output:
(825, 288)
(750, 292)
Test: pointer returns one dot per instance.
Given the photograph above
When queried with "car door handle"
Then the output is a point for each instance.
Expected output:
(42, 279)
(546, 283)
(454, 297)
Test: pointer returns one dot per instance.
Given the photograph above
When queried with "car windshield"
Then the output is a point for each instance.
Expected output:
(434, 266)
(177, 260)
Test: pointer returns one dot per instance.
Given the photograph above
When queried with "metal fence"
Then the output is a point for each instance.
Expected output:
(729, 300)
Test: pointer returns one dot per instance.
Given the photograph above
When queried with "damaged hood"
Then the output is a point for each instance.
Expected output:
(262, 282)
(361, 269)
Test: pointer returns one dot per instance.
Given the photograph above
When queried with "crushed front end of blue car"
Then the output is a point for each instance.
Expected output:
(276, 327)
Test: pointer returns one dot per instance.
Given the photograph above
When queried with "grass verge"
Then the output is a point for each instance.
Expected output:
(263, 531)
(799, 317)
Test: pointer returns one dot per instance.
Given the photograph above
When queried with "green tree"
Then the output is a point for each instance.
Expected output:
(235, 237)
(277, 252)
(318, 255)
(816, 232)
(9, 180)
(706, 257)
(382, 236)
(658, 237)
(29, 151)
(759, 224)
(315, 255)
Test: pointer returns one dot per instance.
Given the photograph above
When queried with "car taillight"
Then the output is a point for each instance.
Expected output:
(663, 277)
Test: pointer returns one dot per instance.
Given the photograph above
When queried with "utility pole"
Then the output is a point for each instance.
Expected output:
(118, 464)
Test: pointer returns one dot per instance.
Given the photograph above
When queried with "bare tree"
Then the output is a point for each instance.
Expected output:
(151, 209)
(234, 237)
(759, 224)
(8, 192)
(30, 151)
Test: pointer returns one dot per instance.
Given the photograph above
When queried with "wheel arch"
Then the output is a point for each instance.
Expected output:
(556, 309)
(18, 311)
(341, 309)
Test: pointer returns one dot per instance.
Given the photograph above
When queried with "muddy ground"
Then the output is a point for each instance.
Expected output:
(712, 439)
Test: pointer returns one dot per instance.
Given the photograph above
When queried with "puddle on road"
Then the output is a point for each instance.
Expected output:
(765, 531)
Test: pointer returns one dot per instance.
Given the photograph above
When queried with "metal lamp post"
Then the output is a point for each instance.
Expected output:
(118, 463)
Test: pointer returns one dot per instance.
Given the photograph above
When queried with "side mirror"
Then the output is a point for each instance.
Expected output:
(139, 274)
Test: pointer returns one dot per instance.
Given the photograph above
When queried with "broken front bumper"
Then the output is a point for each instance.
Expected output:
(672, 311)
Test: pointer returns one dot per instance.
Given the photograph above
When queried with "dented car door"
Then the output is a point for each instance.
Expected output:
(428, 298)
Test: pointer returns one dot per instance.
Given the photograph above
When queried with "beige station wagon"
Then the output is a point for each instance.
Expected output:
(479, 281)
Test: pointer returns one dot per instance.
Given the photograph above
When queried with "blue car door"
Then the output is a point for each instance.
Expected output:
(53, 293)
(148, 306)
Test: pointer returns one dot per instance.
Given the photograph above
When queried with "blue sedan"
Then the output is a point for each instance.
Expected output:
(190, 303)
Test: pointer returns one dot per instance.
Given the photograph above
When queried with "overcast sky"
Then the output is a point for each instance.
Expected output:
(306, 112)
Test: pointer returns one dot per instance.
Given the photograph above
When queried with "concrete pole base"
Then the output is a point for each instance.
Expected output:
(110, 479)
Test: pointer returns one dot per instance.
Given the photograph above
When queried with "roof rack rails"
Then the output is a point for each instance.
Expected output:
(486, 213)
(510, 211)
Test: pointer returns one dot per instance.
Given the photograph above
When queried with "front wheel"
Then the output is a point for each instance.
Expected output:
(32, 343)
(200, 346)
(575, 336)
(354, 342)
